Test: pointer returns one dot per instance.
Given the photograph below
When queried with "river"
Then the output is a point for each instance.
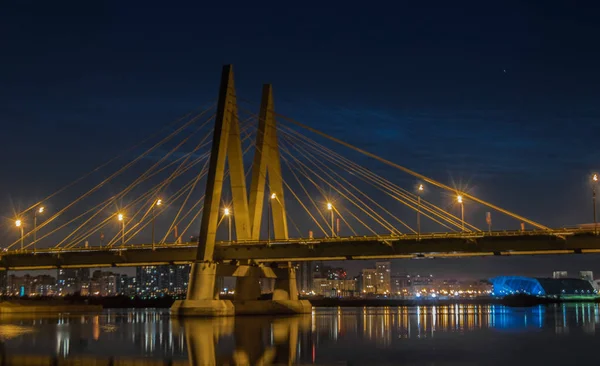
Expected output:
(562, 334)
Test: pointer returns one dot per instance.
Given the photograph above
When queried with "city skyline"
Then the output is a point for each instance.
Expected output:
(492, 117)
(207, 183)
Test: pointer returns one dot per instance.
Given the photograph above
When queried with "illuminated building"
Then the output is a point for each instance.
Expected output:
(156, 281)
(127, 285)
(320, 271)
(334, 288)
(383, 274)
(71, 280)
(148, 278)
(400, 284)
(304, 273)
(104, 284)
(42, 285)
(564, 288)
(179, 275)
(560, 274)
(369, 281)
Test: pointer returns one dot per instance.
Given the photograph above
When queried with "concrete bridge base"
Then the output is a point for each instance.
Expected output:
(205, 308)
(203, 297)
(272, 307)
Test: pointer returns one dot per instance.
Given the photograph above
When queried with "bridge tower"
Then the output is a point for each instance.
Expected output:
(203, 296)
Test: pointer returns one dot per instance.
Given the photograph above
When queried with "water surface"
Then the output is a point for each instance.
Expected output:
(563, 334)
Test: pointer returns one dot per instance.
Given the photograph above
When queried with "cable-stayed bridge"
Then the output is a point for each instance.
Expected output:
(311, 195)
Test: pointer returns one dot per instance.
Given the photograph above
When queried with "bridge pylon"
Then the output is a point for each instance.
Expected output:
(203, 296)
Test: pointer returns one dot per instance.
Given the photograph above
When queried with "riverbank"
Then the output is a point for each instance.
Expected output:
(51, 306)
(76, 303)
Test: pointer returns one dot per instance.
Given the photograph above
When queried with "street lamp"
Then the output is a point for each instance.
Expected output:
(35, 212)
(273, 197)
(330, 208)
(419, 191)
(594, 184)
(122, 219)
(227, 213)
(19, 224)
(157, 203)
(459, 199)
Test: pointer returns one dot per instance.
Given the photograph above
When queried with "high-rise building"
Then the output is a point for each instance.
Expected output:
(127, 285)
(369, 281)
(337, 273)
(71, 280)
(104, 284)
(383, 284)
(179, 278)
(148, 281)
(304, 274)
(42, 285)
(156, 281)
(559, 274)
(400, 284)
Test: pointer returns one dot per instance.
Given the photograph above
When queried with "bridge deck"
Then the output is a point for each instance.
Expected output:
(428, 246)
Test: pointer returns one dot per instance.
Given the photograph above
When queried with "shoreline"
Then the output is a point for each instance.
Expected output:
(123, 302)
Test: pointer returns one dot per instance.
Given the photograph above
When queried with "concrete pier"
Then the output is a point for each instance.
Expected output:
(45, 307)
(203, 296)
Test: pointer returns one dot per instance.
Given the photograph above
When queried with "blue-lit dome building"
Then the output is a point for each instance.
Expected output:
(563, 288)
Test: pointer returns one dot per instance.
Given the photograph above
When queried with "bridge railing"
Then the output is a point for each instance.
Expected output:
(312, 241)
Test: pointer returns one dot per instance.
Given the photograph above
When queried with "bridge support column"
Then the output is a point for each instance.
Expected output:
(247, 288)
(284, 301)
(203, 296)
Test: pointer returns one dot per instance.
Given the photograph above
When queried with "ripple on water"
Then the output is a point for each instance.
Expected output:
(9, 331)
(109, 328)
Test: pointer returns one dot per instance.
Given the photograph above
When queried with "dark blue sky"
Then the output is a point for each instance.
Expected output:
(503, 95)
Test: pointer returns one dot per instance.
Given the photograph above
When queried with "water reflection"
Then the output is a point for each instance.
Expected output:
(151, 337)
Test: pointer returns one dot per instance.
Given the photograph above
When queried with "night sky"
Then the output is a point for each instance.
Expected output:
(500, 97)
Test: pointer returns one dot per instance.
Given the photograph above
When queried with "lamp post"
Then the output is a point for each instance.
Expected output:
(330, 208)
(157, 203)
(122, 219)
(35, 212)
(19, 224)
(459, 199)
(594, 184)
(273, 196)
(227, 213)
(419, 191)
